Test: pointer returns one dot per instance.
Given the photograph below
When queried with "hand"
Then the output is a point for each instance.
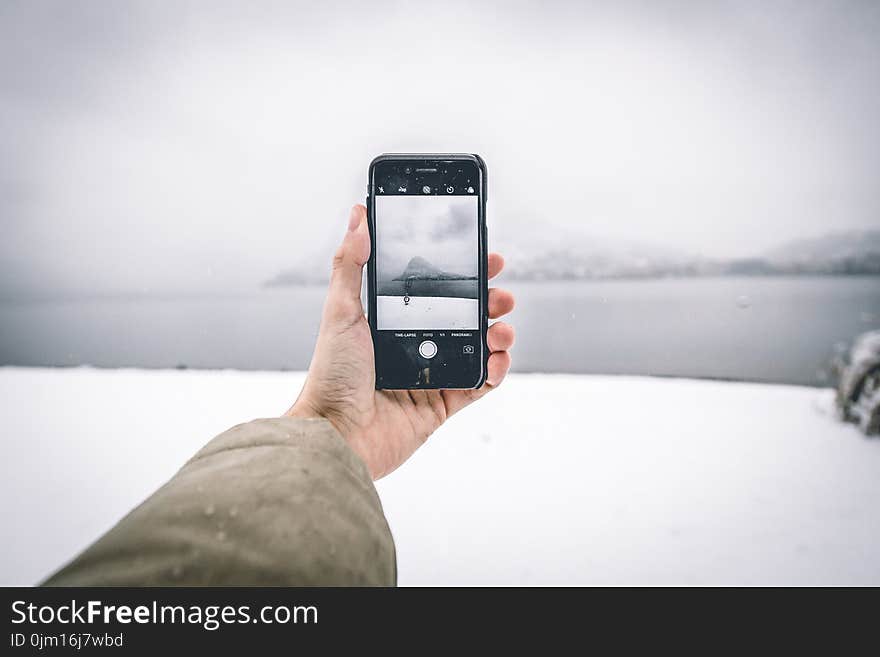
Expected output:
(384, 427)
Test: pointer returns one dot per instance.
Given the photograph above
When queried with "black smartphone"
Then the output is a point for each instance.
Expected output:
(427, 287)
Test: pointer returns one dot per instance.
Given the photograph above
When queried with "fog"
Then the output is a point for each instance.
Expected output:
(191, 148)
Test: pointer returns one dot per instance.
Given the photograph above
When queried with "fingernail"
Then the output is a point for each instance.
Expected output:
(354, 220)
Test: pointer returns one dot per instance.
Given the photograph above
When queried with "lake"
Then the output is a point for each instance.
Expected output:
(761, 329)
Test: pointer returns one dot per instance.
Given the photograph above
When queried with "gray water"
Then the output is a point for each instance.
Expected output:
(761, 329)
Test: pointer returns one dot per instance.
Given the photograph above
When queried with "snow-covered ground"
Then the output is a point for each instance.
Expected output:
(553, 479)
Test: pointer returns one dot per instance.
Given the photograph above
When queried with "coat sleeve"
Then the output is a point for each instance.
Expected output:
(276, 502)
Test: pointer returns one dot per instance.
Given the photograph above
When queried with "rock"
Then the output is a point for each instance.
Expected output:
(858, 394)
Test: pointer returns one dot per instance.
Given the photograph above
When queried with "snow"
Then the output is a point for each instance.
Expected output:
(427, 313)
(552, 479)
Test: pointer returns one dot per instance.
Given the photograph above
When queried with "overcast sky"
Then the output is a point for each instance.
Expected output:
(439, 229)
(184, 147)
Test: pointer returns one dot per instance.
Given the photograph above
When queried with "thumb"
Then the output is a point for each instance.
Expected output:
(348, 264)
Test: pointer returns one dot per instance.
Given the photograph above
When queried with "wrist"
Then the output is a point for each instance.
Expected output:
(303, 409)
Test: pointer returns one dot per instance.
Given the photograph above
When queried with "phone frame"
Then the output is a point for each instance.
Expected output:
(428, 159)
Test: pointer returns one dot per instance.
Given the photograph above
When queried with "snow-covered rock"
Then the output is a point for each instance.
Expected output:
(858, 392)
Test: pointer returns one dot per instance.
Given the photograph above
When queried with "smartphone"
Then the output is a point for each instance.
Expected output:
(427, 284)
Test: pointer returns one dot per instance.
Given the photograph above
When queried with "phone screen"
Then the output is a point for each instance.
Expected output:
(427, 263)
(427, 226)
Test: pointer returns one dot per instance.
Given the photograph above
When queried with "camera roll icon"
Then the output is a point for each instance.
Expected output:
(467, 349)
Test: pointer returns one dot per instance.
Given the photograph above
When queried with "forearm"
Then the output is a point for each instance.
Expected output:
(271, 502)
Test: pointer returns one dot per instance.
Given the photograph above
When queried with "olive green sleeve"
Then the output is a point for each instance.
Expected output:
(277, 502)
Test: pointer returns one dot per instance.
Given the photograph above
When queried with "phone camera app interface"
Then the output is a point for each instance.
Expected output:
(427, 268)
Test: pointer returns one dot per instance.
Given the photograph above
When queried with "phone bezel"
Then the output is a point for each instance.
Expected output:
(429, 160)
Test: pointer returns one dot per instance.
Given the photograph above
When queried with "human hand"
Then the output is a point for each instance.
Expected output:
(383, 427)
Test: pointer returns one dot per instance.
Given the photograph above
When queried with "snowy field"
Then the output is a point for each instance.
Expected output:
(553, 479)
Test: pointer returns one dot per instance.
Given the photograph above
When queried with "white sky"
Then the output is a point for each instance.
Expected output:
(192, 147)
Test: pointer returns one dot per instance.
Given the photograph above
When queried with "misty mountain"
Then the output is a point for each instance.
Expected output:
(298, 276)
(845, 253)
(835, 249)
(561, 254)
(579, 257)
(421, 269)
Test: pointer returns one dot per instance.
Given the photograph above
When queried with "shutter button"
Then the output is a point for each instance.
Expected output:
(428, 349)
